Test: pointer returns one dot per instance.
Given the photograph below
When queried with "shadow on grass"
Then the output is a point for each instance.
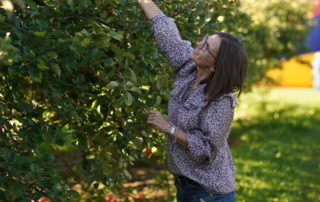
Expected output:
(278, 156)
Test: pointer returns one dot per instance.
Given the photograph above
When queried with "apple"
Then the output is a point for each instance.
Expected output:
(44, 199)
(148, 152)
(139, 196)
(108, 10)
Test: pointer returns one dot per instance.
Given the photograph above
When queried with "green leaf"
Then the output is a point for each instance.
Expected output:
(36, 76)
(6, 154)
(8, 40)
(165, 81)
(99, 111)
(133, 76)
(159, 84)
(85, 42)
(85, 33)
(128, 99)
(43, 24)
(42, 66)
(126, 172)
(129, 84)
(122, 2)
(32, 4)
(135, 89)
(55, 68)
(130, 55)
(113, 84)
(49, 157)
(116, 35)
(93, 105)
(108, 62)
(12, 71)
(2, 19)
(117, 51)
(40, 34)
(70, 2)
(52, 55)
(34, 168)
(158, 100)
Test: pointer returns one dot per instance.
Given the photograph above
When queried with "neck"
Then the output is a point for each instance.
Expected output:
(202, 73)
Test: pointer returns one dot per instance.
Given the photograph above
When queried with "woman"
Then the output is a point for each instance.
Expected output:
(201, 108)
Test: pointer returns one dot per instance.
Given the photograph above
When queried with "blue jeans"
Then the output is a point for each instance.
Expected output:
(193, 193)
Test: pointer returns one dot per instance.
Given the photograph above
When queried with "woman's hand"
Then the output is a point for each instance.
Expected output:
(139, 1)
(144, 1)
(150, 8)
(156, 119)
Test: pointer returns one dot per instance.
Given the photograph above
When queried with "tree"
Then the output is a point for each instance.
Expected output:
(277, 29)
(77, 79)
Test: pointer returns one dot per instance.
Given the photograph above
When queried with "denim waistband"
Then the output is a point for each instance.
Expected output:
(182, 181)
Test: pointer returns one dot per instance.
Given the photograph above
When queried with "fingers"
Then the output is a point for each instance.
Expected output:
(153, 112)
(150, 122)
(153, 117)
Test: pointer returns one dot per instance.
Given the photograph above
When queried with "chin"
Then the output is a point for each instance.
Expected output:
(192, 56)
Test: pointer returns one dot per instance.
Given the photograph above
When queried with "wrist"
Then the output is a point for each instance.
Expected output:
(167, 129)
(143, 1)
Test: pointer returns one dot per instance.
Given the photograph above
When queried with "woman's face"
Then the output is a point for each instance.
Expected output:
(206, 51)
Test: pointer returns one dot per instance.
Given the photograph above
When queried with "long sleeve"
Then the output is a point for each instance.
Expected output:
(203, 144)
(169, 42)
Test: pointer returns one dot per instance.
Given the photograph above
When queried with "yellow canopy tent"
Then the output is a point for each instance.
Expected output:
(294, 73)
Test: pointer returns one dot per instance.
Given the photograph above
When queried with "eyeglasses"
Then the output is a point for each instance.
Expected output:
(204, 46)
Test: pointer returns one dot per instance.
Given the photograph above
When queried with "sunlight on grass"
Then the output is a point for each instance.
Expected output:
(278, 157)
(255, 102)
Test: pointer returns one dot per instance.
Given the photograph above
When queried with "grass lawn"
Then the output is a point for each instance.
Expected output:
(278, 155)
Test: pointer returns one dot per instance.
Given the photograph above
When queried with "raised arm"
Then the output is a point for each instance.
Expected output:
(151, 10)
(167, 36)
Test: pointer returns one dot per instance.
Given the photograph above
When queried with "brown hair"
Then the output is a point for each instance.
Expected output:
(230, 68)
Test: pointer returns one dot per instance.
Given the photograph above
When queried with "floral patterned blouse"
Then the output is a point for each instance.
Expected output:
(207, 160)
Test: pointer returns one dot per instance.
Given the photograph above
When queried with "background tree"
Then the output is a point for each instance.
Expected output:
(78, 78)
(277, 29)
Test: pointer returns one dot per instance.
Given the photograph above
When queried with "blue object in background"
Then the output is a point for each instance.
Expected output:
(314, 37)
